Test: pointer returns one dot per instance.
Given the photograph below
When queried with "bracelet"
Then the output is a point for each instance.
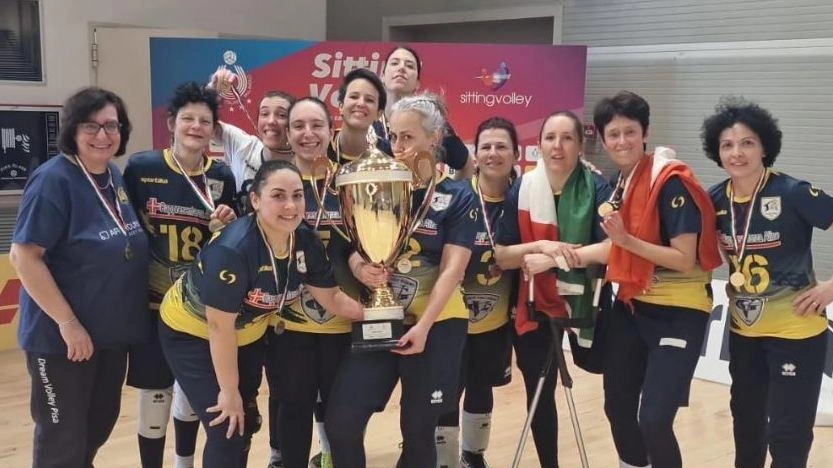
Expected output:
(67, 322)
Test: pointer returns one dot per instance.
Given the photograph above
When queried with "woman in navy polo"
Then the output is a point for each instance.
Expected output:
(81, 255)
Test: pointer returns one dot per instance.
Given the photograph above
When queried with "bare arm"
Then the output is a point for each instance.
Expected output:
(222, 339)
(27, 260)
(453, 264)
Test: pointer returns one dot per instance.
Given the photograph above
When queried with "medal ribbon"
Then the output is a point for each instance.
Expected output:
(476, 183)
(740, 248)
(205, 197)
(275, 266)
(114, 212)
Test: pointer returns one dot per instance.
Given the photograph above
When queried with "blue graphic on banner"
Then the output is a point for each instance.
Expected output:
(168, 69)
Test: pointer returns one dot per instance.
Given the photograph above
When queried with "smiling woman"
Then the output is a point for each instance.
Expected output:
(214, 318)
(178, 216)
(776, 320)
(82, 258)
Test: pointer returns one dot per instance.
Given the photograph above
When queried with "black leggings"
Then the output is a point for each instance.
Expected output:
(416, 424)
(531, 350)
(303, 366)
(430, 388)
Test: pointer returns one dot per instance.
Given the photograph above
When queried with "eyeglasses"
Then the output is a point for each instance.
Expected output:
(111, 127)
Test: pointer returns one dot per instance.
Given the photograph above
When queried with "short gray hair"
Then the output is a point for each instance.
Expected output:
(429, 106)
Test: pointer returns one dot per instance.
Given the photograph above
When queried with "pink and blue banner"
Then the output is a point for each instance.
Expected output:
(523, 83)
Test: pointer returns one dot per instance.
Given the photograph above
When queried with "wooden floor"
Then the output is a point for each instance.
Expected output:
(704, 429)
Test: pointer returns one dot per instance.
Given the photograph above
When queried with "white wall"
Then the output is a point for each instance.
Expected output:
(65, 32)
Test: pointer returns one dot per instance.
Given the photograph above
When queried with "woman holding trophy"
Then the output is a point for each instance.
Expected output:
(427, 278)
(214, 317)
(539, 237)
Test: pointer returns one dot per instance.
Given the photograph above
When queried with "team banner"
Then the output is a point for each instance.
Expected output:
(523, 83)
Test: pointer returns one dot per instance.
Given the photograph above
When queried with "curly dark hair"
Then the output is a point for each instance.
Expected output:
(80, 107)
(624, 103)
(731, 110)
(192, 92)
(372, 78)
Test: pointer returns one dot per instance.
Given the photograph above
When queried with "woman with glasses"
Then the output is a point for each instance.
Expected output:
(181, 195)
(81, 255)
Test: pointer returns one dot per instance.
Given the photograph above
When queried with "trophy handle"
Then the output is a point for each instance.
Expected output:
(423, 165)
(323, 168)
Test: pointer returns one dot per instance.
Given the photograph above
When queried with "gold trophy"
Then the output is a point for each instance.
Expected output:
(375, 193)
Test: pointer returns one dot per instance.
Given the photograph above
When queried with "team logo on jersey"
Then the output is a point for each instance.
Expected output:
(440, 201)
(227, 277)
(301, 261)
(313, 309)
(677, 202)
(814, 192)
(480, 305)
(750, 309)
(122, 195)
(770, 207)
(216, 188)
(404, 289)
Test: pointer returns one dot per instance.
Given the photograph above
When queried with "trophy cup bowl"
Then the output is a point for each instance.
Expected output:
(375, 195)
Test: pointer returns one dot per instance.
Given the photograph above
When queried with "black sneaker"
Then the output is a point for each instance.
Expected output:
(275, 464)
(472, 460)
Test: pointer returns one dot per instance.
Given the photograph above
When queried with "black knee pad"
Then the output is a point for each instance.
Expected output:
(253, 420)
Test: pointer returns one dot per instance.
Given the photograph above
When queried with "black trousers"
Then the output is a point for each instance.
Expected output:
(652, 353)
(74, 406)
(190, 361)
(775, 391)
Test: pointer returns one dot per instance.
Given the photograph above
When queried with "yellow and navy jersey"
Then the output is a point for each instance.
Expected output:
(233, 273)
(488, 291)
(307, 314)
(451, 219)
(339, 157)
(777, 261)
(678, 214)
(172, 215)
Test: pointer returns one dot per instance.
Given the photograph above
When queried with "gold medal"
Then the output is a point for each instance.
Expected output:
(404, 266)
(215, 225)
(606, 208)
(737, 279)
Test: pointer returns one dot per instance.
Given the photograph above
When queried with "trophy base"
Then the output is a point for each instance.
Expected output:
(376, 335)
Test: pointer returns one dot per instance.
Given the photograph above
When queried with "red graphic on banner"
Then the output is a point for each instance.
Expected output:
(9, 301)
